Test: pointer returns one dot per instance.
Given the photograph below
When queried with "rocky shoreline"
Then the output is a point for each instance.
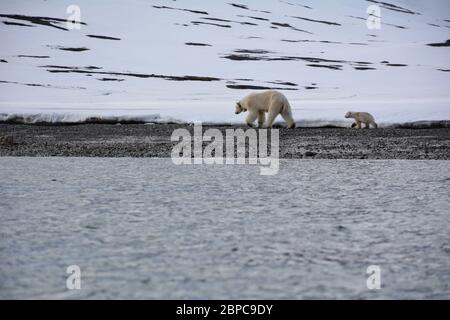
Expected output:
(153, 140)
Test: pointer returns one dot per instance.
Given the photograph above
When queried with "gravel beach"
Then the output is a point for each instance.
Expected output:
(140, 140)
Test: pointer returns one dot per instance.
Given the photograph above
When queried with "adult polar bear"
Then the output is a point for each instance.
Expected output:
(258, 103)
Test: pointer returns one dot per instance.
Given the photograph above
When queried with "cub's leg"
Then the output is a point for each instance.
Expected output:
(271, 118)
(261, 118)
(251, 117)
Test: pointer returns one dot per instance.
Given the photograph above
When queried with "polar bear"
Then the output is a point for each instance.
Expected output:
(258, 103)
(362, 117)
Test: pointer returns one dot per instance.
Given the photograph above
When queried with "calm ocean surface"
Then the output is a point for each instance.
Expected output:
(146, 228)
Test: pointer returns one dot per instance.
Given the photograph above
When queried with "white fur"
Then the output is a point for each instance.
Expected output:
(362, 117)
(258, 103)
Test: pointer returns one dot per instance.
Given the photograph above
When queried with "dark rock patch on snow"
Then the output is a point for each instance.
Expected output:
(102, 37)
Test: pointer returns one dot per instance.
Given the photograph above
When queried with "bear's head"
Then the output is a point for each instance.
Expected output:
(238, 109)
(348, 114)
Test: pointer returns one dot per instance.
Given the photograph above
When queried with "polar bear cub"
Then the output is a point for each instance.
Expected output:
(362, 117)
(258, 103)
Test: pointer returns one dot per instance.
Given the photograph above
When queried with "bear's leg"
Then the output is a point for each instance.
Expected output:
(271, 118)
(374, 124)
(251, 117)
(367, 125)
(358, 124)
(287, 116)
(261, 118)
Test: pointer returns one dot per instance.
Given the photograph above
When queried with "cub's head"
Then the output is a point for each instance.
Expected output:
(349, 114)
(238, 109)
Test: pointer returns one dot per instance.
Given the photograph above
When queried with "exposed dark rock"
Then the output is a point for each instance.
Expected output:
(102, 37)
(137, 75)
(110, 79)
(188, 10)
(310, 154)
(211, 24)
(318, 21)
(198, 44)
(240, 6)
(440, 44)
(35, 57)
(287, 25)
(332, 67)
(45, 21)
(73, 49)
(393, 7)
(253, 87)
(9, 23)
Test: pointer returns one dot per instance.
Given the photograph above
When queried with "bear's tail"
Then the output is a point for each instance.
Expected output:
(286, 112)
(286, 108)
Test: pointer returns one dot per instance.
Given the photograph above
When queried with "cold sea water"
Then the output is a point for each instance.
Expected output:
(146, 228)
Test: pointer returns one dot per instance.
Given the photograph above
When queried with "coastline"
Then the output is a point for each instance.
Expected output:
(153, 140)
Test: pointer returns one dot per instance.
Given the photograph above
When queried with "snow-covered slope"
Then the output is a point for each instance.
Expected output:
(191, 60)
